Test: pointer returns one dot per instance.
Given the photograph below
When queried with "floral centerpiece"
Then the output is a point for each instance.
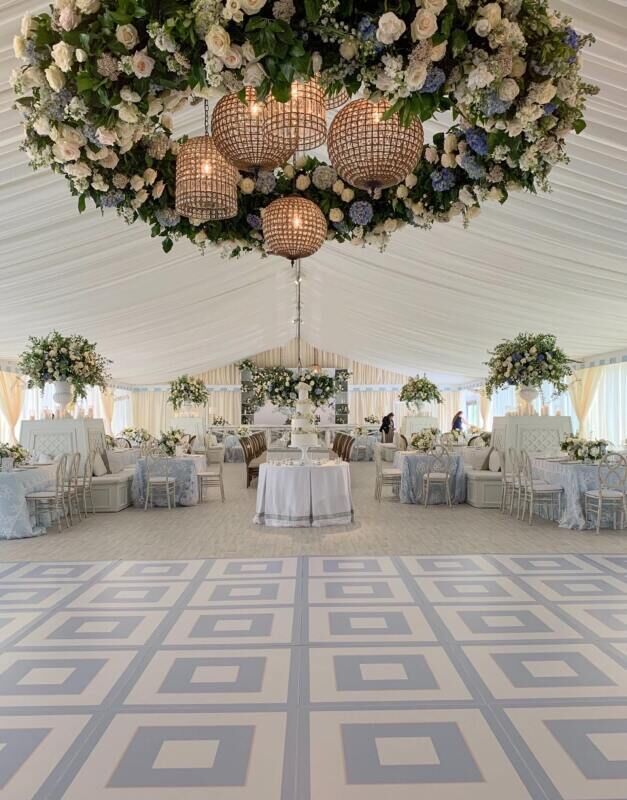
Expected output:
(418, 391)
(585, 449)
(18, 453)
(359, 431)
(187, 389)
(99, 82)
(218, 420)
(136, 436)
(528, 361)
(425, 440)
(169, 440)
(57, 358)
(279, 385)
(109, 442)
(243, 430)
(371, 419)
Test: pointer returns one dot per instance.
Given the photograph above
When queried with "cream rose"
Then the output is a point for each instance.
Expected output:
(233, 58)
(136, 182)
(150, 176)
(508, 90)
(42, 125)
(19, 46)
(63, 150)
(247, 186)
(438, 51)
(63, 55)
(110, 161)
(410, 180)
(519, 67)
(157, 189)
(289, 171)
(450, 143)
(390, 225)
(127, 112)
(425, 24)
(27, 27)
(140, 198)
(431, 155)
(143, 65)
(80, 55)
(78, 169)
(88, 6)
(435, 6)
(217, 40)
(336, 215)
(200, 237)
(390, 28)
(69, 18)
(253, 75)
(248, 51)
(448, 160)
(252, 6)
(348, 49)
(55, 78)
(303, 182)
(402, 191)
(491, 12)
(106, 136)
(416, 75)
(127, 35)
(482, 27)
(338, 187)
(348, 195)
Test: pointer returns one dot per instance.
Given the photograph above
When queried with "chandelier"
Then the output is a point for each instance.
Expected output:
(237, 127)
(293, 227)
(206, 183)
(371, 152)
(300, 123)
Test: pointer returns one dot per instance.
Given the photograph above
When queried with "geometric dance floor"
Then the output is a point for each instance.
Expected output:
(315, 678)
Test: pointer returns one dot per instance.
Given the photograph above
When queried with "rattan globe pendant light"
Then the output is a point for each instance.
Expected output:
(336, 99)
(293, 227)
(206, 183)
(370, 152)
(237, 128)
(301, 121)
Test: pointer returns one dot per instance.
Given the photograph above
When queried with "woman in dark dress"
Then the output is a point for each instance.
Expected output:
(387, 428)
(458, 422)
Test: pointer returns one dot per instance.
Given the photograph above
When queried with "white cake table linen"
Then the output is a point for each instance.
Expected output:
(331, 498)
(413, 466)
(16, 520)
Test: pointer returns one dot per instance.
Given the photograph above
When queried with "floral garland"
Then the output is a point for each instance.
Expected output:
(186, 389)
(528, 360)
(18, 453)
(101, 79)
(64, 358)
(425, 440)
(585, 449)
(169, 440)
(136, 436)
(420, 390)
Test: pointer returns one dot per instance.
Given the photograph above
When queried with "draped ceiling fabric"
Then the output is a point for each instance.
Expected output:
(435, 301)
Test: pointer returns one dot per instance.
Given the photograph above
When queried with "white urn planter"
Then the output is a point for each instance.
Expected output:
(529, 395)
(62, 394)
(419, 408)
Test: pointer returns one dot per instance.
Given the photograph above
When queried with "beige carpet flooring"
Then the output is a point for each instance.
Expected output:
(214, 529)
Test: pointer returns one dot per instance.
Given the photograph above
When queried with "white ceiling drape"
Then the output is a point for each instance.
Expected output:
(435, 301)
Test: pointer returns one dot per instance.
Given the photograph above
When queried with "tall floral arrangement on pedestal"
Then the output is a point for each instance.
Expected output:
(169, 440)
(420, 390)
(425, 439)
(18, 453)
(64, 358)
(528, 360)
(136, 436)
(279, 385)
(187, 389)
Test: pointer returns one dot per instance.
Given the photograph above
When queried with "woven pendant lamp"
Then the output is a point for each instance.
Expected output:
(206, 184)
(370, 152)
(293, 227)
(335, 99)
(300, 122)
(237, 128)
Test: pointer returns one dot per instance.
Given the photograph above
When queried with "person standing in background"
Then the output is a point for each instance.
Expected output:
(387, 428)
(458, 422)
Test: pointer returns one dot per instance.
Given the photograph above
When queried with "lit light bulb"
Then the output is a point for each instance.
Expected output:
(296, 222)
(255, 109)
(376, 116)
(205, 168)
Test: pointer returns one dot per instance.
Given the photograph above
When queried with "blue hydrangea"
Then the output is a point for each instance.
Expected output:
(111, 199)
(492, 104)
(167, 217)
(366, 29)
(472, 167)
(443, 179)
(361, 212)
(571, 38)
(516, 357)
(435, 78)
(32, 56)
(549, 108)
(265, 182)
(89, 133)
(478, 141)
(254, 220)
(540, 357)
(55, 106)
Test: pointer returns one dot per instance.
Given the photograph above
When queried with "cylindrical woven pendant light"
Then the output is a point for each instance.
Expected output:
(237, 128)
(301, 121)
(293, 227)
(206, 184)
(335, 99)
(371, 152)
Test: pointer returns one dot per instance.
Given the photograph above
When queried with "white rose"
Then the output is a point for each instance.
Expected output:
(425, 24)
(233, 57)
(384, 82)
(127, 112)
(508, 90)
(200, 237)
(303, 182)
(248, 51)
(140, 199)
(19, 46)
(27, 27)
(542, 92)
(110, 161)
(150, 176)
(411, 180)
(390, 225)
(473, 211)
(338, 187)
(348, 195)
(402, 192)
(495, 193)
(247, 186)
(438, 52)
(336, 215)
(142, 64)
(435, 6)
(71, 134)
(33, 76)
(157, 189)
(289, 171)
(137, 183)
(55, 78)
(482, 27)
(254, 75)
(348, 49)
(450, 143)
(431, 155)
(519, 67)
(64, 150)
(217, 40)
(252, 6)
(80, 55)
(106, 136)
(416, 75)
(390, 28)
(63, 55)
(88, 6)
(466, 196)
(491, 12)
(129, 96)
(69, 18)
(42, 125)
(127, 35)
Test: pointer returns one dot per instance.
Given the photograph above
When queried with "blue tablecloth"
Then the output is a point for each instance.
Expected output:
(16, 521)
(183, 470)
(232, 449)
(413, 466)
(363, 449)
(576, 480)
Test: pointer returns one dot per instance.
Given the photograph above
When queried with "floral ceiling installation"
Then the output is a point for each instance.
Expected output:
(101, 80)
(186, 389)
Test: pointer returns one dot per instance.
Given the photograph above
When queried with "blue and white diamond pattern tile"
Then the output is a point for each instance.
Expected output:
(354, 678)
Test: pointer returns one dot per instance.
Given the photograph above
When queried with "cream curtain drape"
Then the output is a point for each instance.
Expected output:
(448, 409)
(107, 401)
(227, 405)
(362, 404)
(149, 411)
(582, 390)
(11, 397)
(485, 409)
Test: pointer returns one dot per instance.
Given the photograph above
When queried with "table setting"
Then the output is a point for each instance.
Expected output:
(184, 469)
(414, 464)
(16, 519)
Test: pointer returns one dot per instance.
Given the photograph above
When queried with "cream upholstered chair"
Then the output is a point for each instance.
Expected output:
(611, 495)
(84, 485)
(212, 475)
(535, 492)
(158, 479)
(72, 473)
(386, 476)
(53, 502)
(438, 473)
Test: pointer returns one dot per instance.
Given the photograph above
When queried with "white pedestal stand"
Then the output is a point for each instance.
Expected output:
(57, 436)
(304, 453)
(538, 435)
(194, 426)
(412, 425)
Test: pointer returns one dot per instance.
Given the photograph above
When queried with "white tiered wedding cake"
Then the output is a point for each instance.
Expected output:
(303, 429)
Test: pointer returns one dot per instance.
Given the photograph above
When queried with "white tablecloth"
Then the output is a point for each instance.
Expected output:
(413, 465)
(576, 480)
(15, 518)
(123, 457)
(304, 496)
(275, 453)
(184, 469)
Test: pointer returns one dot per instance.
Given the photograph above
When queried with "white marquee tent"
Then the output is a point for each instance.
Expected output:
(435, 301)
